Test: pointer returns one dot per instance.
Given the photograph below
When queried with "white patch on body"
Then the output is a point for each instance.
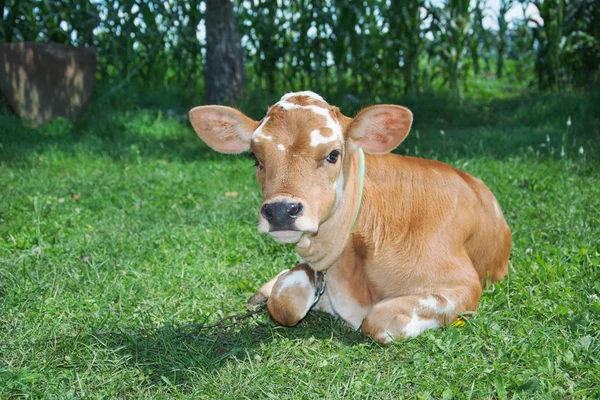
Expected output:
(497, 208)
(418, 325)
(431, 303)
(268, 287)
(258, 132)
(281, 147)
(324, 305)
(300, 279)
(350, 311)
(296, 278)
(339, 188)
(385, 337)
(343, 304)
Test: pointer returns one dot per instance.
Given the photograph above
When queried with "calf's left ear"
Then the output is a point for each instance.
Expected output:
(225, 129)
(380, 129)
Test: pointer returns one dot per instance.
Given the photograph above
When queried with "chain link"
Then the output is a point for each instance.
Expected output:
(236, 318)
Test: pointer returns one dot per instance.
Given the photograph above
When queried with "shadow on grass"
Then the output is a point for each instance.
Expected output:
(442, 128)
(115, 138)
(178, 355)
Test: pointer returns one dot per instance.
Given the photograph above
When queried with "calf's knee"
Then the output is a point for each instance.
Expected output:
(292, 296)
(384, 326)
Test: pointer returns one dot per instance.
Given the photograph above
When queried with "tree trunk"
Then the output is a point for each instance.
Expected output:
(500, 61)
(224, 69)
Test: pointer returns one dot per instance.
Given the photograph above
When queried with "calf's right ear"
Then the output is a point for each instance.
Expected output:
(225, 129)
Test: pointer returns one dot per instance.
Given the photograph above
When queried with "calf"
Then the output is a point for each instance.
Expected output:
(393, 245)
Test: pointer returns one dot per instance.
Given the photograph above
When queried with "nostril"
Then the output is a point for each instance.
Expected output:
(267, 211)
(294, 209)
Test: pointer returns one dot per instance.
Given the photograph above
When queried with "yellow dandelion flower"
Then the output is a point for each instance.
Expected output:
(458, 323)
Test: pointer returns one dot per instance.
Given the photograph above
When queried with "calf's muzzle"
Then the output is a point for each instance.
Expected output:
(282, 215)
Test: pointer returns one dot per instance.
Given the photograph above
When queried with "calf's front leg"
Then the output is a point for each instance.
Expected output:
(290, 295)
(408, 316)
(264, 292)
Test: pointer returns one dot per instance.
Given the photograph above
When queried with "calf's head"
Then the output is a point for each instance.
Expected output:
(302, 150)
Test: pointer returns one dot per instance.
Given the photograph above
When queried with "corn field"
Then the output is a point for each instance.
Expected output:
(351, 46)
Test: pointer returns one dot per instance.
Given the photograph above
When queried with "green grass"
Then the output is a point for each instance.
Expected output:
(119, 224)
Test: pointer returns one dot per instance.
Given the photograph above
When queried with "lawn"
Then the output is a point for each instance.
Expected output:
(116, 230)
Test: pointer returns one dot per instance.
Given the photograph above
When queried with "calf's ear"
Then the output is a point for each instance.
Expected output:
(225, 129)
(380, 129)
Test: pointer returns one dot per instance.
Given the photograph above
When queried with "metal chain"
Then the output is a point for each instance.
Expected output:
(236, 318)
(319, 289)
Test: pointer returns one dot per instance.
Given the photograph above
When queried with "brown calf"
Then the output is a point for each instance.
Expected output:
(406, 243)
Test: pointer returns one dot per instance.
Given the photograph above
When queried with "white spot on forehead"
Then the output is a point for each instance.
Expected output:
(281, 147)
(258, 132)
(307, 93)
(317, 138)
(324, 112)
(286, 105)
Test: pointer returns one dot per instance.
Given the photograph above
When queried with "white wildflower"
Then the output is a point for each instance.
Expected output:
(569, 121)
(581, 150)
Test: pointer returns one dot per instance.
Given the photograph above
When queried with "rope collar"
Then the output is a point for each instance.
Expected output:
(361, 183)
(320, 288)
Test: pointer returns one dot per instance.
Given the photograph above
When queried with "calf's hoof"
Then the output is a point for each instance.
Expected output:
(256, 301)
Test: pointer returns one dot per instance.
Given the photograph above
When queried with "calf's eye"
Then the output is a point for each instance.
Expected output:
(333, 156)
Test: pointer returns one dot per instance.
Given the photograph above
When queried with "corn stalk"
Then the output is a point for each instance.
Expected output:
(451, 26)
(505, 6)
